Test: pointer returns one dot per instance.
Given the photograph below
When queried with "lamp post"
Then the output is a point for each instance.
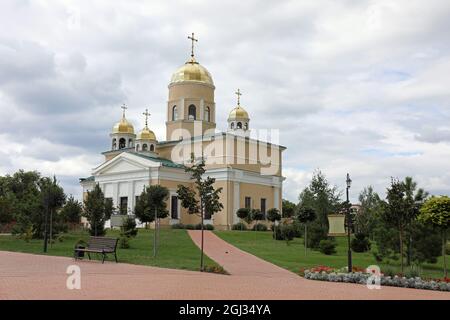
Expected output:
(349, 183)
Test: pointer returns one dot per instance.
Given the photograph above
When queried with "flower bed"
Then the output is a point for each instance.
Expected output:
(323, 273)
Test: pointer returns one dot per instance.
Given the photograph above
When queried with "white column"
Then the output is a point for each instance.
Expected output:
(276, 198)
(116, 194)
(131, 196)
(236, 201)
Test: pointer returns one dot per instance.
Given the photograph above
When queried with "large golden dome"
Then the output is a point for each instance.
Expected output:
(238, 113)
(146, 134)
(123, 126)
(192, 71)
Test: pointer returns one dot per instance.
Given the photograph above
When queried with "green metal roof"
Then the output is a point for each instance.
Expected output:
(163, 161)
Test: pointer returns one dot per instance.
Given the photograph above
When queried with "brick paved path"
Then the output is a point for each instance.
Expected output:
(29, 276)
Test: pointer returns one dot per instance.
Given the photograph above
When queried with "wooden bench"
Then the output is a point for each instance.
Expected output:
(102, 245)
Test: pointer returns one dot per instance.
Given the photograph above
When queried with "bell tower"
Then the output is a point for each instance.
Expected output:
(191, 109)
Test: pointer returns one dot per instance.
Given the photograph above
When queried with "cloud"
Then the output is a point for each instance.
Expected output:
(353, 86)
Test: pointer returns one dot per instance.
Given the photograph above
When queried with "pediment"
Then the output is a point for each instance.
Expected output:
(124, 163)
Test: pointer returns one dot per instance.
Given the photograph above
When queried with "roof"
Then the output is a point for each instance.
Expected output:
(91, 178)
(165, 162)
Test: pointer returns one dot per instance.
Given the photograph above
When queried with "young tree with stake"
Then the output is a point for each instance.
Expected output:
(203, 198)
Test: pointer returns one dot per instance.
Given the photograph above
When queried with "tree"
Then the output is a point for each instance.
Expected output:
(367, 217)
(72, 210)
(201, 199)
(273, 215)
(151, 207)
(53, 198)
(288, 208)
(305, 215)
(321, 197)
(436, 211)
(244, 214)
(399, 212)
(95, 211)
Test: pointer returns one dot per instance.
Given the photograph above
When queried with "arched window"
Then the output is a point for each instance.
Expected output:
(192, 112)
(137, 147)
(174, 113)
(130, 143)
(207, 115)
(114, 144)
(122, 143)
(246, 126)
(152, 147)
(144, 147)
(232, 125)
(239, 125)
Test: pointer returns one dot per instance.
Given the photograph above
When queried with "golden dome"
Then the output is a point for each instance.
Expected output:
(192, 71)
(146, 134)
(123, 126)
(238, 113)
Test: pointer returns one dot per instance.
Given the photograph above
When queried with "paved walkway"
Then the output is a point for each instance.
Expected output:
(29, 276)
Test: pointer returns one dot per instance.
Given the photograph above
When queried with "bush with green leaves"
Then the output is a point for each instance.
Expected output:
(285, 232)
(240, 226)
(360, 243)
(327, 247)
(244, 214)
(178, 226)
(256, 215)
(259, 227)
(124, 242)
(205, 226)
(128, 227)
(189, 227)
(316, 233)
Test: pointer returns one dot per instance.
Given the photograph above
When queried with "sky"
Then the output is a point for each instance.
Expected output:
(353, 85)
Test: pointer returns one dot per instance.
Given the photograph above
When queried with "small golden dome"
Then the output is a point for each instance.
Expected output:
(146, 134)
(123, 126)
(238, 113)
(192, 71)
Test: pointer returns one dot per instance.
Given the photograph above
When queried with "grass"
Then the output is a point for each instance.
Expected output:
(176, 249)
(292, 256)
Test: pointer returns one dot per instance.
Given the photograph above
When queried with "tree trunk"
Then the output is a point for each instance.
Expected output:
(51, 228)
(154, 235)
(401, 249)
(201, 257)
(444, 244)
(306, 239)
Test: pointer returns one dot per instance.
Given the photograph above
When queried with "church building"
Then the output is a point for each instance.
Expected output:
(248, 169)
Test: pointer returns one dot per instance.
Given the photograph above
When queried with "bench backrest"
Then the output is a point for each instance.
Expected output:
(102, 243)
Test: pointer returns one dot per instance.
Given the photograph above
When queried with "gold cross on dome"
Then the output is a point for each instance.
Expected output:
(146, 114)
(124, 107)
(239, 94)
(192, 48)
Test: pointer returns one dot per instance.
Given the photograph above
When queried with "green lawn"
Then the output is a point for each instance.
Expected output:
(176, 249)
(292, 256)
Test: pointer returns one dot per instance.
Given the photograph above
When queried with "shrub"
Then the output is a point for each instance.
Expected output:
(190, 227)
(273, 215)
(284, 232)
(239, 226)
(327, 246)
(244, 214)
(205, 226)
(360, 243)
(259, 227)
(257, 215)
(316, 233)
(388, 271)
(447, 248)
(124, 242)
(299, 229)
(178, 226)
(128, 227)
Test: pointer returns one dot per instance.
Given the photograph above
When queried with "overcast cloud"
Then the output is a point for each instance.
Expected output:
(353, 86)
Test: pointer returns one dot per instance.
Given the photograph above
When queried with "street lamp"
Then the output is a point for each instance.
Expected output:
(349, 183)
